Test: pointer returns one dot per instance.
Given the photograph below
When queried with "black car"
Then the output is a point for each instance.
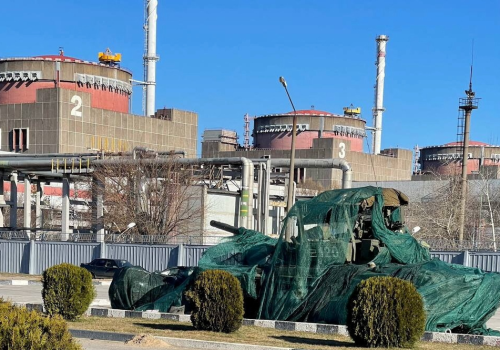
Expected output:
(102, 268)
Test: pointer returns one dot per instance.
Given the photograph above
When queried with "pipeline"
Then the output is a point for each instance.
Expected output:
(316, 163)
(246, 202)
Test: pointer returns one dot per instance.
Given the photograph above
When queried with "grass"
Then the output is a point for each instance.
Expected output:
(246, 335)
(19, 276)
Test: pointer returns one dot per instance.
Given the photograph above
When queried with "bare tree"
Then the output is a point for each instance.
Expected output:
(161, 198)
(438, 214)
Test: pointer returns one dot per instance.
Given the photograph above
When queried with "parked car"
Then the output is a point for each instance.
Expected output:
(105, 268)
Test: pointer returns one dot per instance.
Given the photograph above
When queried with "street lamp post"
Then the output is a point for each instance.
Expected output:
(289, 203)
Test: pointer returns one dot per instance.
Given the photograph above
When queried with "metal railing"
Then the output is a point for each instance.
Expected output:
(25, 235)
(456, 245)
(163, 239)
(14, 235)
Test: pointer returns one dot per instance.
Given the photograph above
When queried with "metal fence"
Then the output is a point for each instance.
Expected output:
(455, 245)
(34, 257)
(18, 256)
(111, 238)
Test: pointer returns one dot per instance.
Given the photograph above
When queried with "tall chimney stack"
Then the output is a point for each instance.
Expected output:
(150, 57)
(378, 109)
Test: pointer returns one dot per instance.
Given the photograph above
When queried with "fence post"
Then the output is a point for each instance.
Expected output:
(180, 255)
(102, 250)
(31, 258)
(466, 258)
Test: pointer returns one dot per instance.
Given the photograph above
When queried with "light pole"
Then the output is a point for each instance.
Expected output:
(289, 203)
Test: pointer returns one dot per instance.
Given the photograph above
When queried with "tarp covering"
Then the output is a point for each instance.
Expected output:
(307, 278)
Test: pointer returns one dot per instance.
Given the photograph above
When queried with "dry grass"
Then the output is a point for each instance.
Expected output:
(19, 276)
(247, 335)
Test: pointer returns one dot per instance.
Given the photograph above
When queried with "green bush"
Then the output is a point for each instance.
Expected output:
(67, 290)
(217, 302)
(385, 312)
(21, 329)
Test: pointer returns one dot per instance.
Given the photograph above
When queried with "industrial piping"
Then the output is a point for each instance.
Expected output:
(246, 202)
(316, 163)
(378, 109)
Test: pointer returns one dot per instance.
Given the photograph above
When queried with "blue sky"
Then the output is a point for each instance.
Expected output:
(222, 58)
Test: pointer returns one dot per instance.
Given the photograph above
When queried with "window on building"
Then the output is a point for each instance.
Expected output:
(20, 139)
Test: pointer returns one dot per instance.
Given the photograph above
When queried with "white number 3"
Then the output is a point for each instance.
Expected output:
(342, 150)
(77, 101)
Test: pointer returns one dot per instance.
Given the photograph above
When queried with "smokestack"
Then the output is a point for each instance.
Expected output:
(378, 109)
(150, 57)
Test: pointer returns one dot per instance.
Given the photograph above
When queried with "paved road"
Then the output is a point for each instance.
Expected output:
(33, 294)
(89, 344)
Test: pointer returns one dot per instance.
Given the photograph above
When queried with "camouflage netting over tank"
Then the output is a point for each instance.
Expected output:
(337, 239)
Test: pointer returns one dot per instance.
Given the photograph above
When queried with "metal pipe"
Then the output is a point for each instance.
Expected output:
(27, 202)
(27, 163)
(260, 192)
(251, 219)
(246, 205)
(65, 208)
(266, 195)
(48, 155)
(150, 58)
(378, 109)
(335, 163)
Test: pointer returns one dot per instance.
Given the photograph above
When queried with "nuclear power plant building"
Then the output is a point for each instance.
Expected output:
(60, 104)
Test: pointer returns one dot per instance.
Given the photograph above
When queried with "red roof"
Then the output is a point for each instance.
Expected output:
(471, 143)
(59, 57)
(309, 111)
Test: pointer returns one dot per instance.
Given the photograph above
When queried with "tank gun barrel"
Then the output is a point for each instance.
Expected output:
(225, 227)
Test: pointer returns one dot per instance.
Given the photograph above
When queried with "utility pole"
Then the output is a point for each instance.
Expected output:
(291, 175)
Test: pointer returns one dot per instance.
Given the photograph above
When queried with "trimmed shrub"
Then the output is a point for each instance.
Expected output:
(22, 329)
(385, 312)
(217, 302)
(67, 290)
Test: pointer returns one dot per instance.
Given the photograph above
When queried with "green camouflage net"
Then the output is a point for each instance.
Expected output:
(336, 240)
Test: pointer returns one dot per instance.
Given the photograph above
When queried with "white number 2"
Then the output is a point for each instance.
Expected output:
(342, 150)
(77, 101)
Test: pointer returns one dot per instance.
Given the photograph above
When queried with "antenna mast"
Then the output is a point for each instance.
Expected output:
(466, 105)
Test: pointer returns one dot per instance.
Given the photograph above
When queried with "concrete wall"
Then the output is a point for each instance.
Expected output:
(54, 127)
(103, 97)
(395, 165)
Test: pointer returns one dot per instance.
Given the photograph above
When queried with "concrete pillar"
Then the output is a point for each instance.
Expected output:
(27, 203)
(65, 208)
(181, 260)
(32, 262)
(98, 208)
(13, 201)
(103, 251)
(38, 209)
(2, 200)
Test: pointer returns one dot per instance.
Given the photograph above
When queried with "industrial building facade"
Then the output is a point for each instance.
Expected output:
(320, 135)
(447, 159)
(59, 104)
